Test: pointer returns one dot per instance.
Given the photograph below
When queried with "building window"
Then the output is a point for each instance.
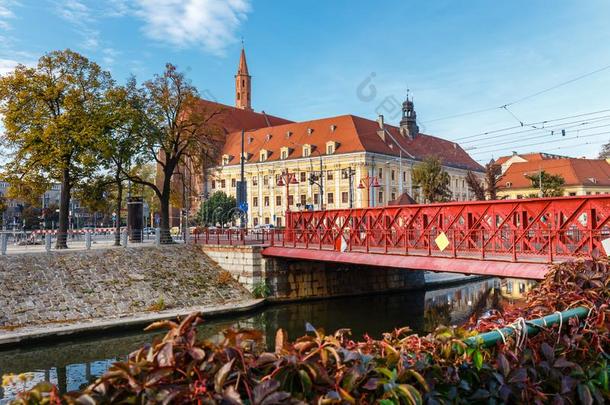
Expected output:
(303, 177)
(263, 155)
(329, 175)
(463, 184)
(380, 173)
(380, 197)
(277, 178)
(223, 183)
(290, 200)
(266, 220)
(233, 182)
(572, 194)
(393, 196)
(344, 197)
(278, 222)
(315, 198)
(330, 198)
(303, 199)
(284, 154)
(266, 180)
(255, 221)
(393, 175)
(255, 201)
(306, 150)
(330, 149)
(255, 181)
(404, 176)
(213, 184)
(266, 203)
(278, 200)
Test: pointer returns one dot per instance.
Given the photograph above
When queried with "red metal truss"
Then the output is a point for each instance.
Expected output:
(538, 230)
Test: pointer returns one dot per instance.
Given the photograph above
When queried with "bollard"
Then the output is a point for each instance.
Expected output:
(47, 242)
(124, 237)
(3, 243)
(157, 236)
(88, 240)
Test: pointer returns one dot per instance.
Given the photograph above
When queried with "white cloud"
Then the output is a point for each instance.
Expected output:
(7, 65)
(210, 24)
(6, 13)
(79, 15)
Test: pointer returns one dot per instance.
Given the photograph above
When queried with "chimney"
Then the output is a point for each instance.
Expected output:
(380, 121)
(381, 130)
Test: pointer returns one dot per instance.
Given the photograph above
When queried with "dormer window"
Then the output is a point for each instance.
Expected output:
(264, 155)
(288, 134)
(333, 127)
(285, 152)
(509, 184)
(306, 150)
(246, 156)
(331, 147)
(226, 159)
(309, 131)
(250, 139)
(268, 137)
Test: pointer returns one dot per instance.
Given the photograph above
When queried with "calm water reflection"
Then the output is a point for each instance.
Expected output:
(72, 364)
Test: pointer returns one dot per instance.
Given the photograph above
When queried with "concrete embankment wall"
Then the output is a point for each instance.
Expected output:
(76, 286)
(297, 279)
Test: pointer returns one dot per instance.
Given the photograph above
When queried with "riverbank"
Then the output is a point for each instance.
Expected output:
(51, 289)
(51, 331)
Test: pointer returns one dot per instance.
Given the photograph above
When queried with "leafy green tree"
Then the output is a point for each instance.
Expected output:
(552, 184)
(53, 119)
(433, 181)
(218, 209)
(178, 131)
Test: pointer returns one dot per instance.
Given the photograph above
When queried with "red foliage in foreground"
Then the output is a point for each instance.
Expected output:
(556, 366)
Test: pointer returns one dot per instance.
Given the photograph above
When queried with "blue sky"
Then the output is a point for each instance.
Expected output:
(313, 59)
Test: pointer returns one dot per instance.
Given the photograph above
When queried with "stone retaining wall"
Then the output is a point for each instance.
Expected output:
(71, 286)
(299, 279)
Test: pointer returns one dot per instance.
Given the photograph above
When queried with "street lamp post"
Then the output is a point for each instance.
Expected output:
(368, 182)
(286, 179)
(349, 172)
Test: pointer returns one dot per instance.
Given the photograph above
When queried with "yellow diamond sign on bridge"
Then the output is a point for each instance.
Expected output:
(442, 241)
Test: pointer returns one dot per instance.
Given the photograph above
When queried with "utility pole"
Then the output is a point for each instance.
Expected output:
(242, 198)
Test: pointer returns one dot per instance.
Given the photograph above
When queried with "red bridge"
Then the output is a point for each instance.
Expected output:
(508, 238)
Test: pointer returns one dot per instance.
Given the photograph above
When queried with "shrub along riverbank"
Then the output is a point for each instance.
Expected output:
(568, 363)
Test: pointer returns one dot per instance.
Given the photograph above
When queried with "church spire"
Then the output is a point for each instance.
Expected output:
(243, 83)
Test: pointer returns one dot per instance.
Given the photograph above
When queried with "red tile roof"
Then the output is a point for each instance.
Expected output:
(575, 172)
(353, 134)
(232, 119)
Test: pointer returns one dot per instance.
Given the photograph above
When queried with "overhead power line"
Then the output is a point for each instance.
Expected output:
(544, 122)
(549, 130)
(491, 145)
(527, 97)
(542, 143)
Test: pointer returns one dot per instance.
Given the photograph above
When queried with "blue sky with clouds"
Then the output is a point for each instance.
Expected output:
(313, 59)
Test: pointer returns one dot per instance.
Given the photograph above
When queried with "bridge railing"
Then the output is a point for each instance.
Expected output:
(542, 229)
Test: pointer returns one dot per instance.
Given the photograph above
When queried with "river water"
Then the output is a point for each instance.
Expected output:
(72, 364)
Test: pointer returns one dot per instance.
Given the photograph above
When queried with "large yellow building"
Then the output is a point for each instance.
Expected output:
(337, 162)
